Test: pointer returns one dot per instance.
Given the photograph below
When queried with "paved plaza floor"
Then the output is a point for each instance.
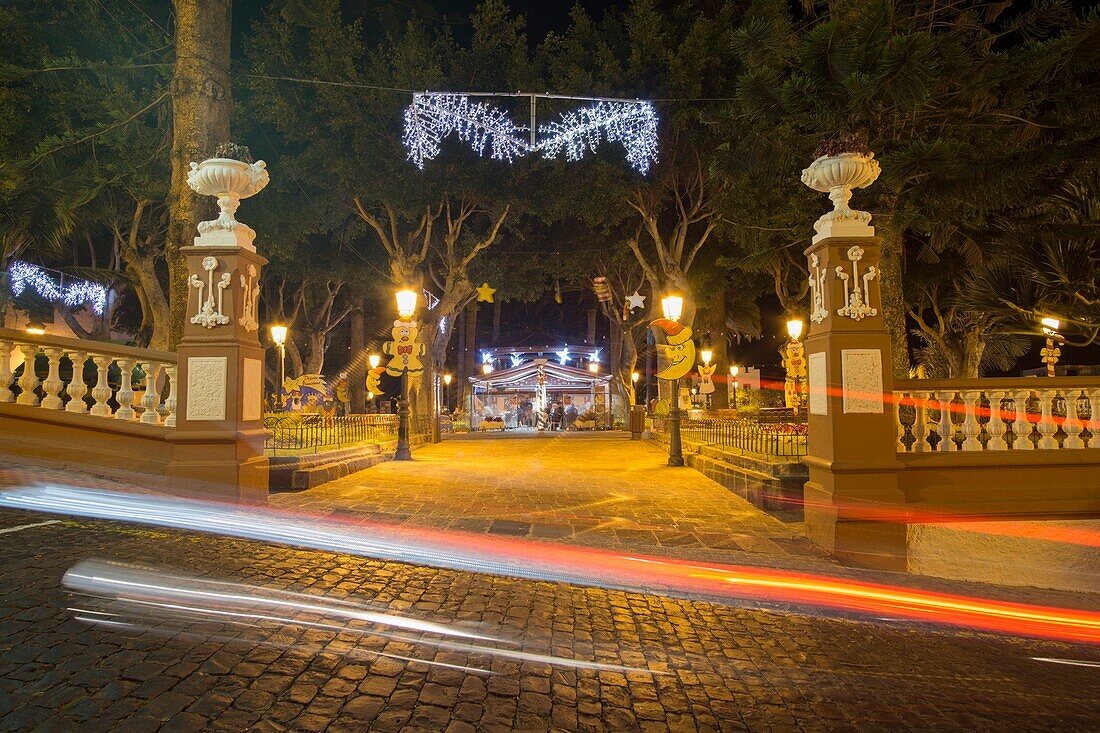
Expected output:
(591, 489)
(694, 665)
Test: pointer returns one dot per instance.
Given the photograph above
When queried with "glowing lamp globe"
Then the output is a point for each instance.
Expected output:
(634, 376)
(672, 306)
(447, 379)
(278, 334)
(406, 303)
(374, 360)
(593, 366)
(1051, 326)
(734, 369)
(706, 355)
(486, 368)
(794, 328)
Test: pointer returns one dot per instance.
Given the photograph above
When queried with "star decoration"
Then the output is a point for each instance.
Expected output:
(485, 293)
(636, 301)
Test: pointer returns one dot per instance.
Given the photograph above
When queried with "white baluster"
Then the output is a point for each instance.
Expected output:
(972, 403)
(920, 422)
(1073, 424)
(1021, 428)
(899, 426)
(996, 426)
(946, 427)
(101, 392)
(1046, 426)
(76, 388)
(125, 395)
(5, 372)
(29, 381)
(1094, 419)
(151, 400)
(53, 384)
(170, 402)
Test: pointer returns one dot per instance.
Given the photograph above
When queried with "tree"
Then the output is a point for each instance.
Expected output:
(201, 106)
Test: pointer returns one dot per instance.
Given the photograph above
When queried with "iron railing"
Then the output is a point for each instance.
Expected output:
(313, 433)
(777, 439)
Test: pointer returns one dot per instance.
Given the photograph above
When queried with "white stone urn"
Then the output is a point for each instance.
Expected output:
(837, 175)
(230, 180)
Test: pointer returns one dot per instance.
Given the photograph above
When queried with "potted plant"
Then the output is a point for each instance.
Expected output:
(841, 163)
(231, 176)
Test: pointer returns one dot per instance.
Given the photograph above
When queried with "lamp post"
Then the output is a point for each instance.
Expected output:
(734, 370)
(406, 307)
(705, 355)
(446, 388)
(1051, 353)
(634, 377)
(795, 363)
(672, 306)
(278, 335)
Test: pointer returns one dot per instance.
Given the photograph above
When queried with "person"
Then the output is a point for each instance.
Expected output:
(556, 416)
(570, 416)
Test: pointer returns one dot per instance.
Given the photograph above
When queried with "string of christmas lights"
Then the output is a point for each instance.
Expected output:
(634, 124)
(433, 116)
(73, 293)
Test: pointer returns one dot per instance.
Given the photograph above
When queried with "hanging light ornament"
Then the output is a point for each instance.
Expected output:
(432, 116)
(634, 124)
(73, 294)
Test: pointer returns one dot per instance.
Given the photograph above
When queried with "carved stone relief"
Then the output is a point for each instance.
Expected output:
(210, 315)
(250, 292)
(206, 377)
(861, 376)
(856, 303)
(818, 311)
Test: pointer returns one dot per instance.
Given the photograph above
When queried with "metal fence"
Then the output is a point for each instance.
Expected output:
(313, 433)
(776, 439)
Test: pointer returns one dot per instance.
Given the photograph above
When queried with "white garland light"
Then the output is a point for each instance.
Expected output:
(73, 294)
(433, 116)
(634, 124)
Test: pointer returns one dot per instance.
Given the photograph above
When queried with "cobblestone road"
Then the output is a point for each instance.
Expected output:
(707, 666)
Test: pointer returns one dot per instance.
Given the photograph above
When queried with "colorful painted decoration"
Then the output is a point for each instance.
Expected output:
(404, 349)
(485, 293)
(794, 361)
(374, 380)
(706, 378)
(679, 349)
(307, 392)
(602, 289)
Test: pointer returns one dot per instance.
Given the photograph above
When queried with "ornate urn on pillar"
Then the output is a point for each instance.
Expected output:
(842, 163)
(230, 180)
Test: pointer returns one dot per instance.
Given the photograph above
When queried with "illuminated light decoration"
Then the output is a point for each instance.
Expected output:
(634, 124)
(563, 357)
(432, 117)
(516, 359)
(595, 356)
(73, 294)
(430, 300)
(442, 324)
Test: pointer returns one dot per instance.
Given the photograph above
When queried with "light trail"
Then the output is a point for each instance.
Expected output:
(561, 563)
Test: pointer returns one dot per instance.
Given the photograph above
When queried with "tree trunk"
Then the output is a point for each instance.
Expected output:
(469, 349)
(590, 335)
(893, 298)
(201, 106)
(460, 347)
(357, 371)
(155, 313)
(315, 360)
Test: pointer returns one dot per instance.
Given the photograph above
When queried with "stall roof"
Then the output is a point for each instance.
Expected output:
(526, 374)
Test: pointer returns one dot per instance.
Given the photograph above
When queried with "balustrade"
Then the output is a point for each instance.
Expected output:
(997, 414)
(126, 384)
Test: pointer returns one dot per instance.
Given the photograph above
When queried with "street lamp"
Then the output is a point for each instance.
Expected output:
(634, 377)
(406, 307)
(734, 370)
(278, 335)
(487, 368)
(446, 388)
(672, 306)
(794, 328)
(593, 366)
(1051, 353)
(374, 360)
(795, 363)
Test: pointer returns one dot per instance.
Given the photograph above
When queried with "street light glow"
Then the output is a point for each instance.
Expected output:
(672, 306)
(794, 328)
(278, 335)
(406, 302)
(634, 376)
(734, 369)
(374, 360)
(447, 379)
(706, 355)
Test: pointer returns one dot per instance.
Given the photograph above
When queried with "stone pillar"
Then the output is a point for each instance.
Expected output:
(852, 453)
(219, 437)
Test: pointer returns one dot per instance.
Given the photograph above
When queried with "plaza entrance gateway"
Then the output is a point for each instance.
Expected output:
(512, 397)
